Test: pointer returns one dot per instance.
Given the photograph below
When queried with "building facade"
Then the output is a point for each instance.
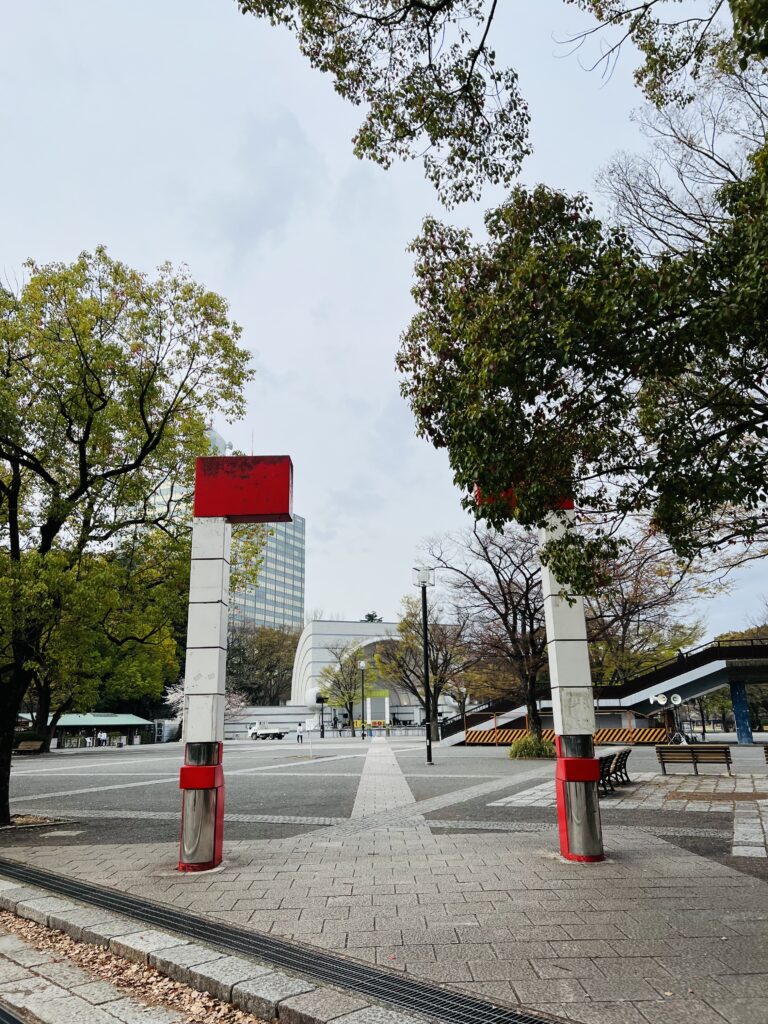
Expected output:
(278, 600)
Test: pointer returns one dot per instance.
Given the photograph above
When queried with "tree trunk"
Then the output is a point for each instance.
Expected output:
(700, 702)
(532, 709)
(50, 729)
(433, 718)
(42, 714)
(351, 713)
(11, 697)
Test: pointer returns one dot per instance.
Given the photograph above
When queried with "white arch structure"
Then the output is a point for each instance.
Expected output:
(314, 650)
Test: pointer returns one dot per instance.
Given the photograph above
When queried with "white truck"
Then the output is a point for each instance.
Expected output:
(265, 731)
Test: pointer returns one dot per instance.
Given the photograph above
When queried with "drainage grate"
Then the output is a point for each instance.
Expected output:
(406, 994)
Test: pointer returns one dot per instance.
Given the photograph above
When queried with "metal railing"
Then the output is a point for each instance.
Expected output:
(739, 648)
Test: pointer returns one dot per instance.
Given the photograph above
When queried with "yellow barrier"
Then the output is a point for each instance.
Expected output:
(503, 737)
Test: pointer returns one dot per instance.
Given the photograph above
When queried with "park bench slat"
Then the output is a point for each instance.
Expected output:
(613, 768)
(694, 755)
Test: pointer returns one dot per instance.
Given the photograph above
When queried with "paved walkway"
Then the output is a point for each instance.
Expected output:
(654, 935)
(50, 989)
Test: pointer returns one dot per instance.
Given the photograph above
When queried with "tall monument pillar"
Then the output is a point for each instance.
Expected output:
(578, 771)
(228, 489)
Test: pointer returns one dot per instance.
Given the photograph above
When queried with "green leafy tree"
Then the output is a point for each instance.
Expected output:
(634, 385)
(341, 680)
(371, 617)
(107, 379)
(449, 651)
(260, 663)
(427, 72)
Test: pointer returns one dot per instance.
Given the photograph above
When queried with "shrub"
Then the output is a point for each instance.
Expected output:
(532, 746)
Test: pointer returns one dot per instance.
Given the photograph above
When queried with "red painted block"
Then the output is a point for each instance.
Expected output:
(577, 769)
(245, 488)
(201, 776)
(509, 498)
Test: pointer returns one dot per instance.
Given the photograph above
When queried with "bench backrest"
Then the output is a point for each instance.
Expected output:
(712, 753)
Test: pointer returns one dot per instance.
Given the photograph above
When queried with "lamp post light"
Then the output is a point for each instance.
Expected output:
(424, 578)
(361, 666)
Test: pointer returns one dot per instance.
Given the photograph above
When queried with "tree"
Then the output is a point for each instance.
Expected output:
(496, 579)
(450, 655)
(640, 616)
(428, 76)
(260, 663)
(427, 71)
(668, 198)
(633, 621)
(341, 682)
(108, 627)
(107, 379)
(635, 386)
(371, 617)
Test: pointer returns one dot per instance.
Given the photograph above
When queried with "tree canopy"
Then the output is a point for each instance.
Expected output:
(428, 73)
(108, 377)
(634, 385)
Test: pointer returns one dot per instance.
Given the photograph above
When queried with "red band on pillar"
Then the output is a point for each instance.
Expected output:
(578, 769)
(201, 776)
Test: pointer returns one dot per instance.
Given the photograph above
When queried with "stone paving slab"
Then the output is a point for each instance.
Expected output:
(655, 932)
(51, 990)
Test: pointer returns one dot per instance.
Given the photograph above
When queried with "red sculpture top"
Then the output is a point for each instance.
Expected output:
(245, 488)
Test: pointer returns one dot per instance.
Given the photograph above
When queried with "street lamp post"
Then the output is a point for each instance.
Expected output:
(425, 578)
(321, 701)
(361, 666)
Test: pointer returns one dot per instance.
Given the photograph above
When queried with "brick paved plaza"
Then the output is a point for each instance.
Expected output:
(448, 874)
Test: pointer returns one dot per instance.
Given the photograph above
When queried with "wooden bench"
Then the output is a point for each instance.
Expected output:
(765, 751)
(29, 747)
(613, 768)
(700, 753)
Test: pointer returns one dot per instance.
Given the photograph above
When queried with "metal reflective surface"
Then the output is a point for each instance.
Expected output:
(577, 746)
(585, 832)
(198, 816)
(201, 753)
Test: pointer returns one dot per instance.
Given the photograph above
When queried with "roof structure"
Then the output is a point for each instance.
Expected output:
(98, 720)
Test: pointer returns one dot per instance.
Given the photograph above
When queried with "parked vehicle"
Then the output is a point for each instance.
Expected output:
(265, 731)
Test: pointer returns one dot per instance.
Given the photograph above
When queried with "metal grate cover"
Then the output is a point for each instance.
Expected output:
(405, 994)
(7, 1016)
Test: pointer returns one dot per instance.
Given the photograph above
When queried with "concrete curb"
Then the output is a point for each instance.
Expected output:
(251, 986)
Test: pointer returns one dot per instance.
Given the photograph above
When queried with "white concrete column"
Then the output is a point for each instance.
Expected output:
(386, 710)
(206, 663)
(368, 709)
(572, 695)
(577, 771)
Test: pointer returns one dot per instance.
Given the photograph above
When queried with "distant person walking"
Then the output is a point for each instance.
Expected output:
(300, 733)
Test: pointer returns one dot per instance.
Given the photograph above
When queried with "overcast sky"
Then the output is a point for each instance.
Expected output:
(181, 130)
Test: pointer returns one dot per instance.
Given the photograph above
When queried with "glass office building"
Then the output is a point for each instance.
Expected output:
(278, 600)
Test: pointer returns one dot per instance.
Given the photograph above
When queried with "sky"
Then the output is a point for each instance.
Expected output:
(181, 130)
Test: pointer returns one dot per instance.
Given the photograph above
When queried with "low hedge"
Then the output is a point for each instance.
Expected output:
(532, 746)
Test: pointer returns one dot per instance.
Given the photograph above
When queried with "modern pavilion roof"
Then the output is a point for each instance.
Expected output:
(98, 720)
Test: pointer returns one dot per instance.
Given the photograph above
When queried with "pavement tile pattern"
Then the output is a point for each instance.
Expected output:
(37, 983)
(655, 934)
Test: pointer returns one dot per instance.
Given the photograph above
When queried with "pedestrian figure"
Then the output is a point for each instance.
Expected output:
(300, 733)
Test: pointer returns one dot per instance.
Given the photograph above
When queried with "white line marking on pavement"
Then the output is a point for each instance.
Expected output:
(383, 786)
(90, 764)
(750, 830)
(173, 778)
